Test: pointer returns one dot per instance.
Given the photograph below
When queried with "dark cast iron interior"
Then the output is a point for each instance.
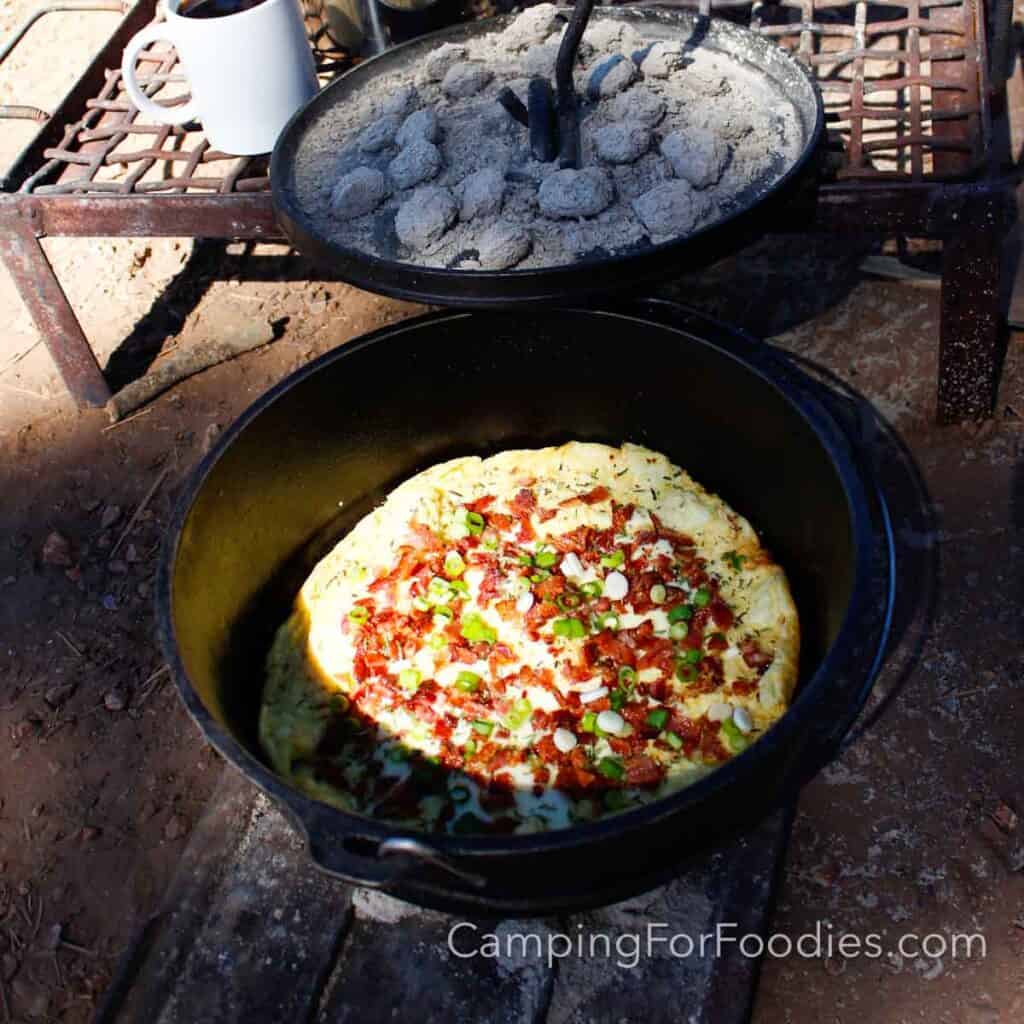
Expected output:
(319, 450)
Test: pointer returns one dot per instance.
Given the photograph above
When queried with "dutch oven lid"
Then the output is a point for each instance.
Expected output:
(596, 275)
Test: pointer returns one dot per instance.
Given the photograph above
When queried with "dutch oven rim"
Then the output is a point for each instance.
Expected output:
(308, 813)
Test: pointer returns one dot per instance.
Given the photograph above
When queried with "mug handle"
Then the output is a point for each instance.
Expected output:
(138, 42)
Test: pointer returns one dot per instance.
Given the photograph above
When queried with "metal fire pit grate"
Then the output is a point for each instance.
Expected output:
(902, 82)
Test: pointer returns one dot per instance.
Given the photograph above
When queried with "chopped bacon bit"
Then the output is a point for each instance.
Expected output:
(428, 540)
(480, 504)
(754, 656)
(592, 497)
(507, 609)
(576, 540)
(585, 778)
(621, 514)
(642, 771)
(717, 642)
(547, 514)
(721, 613)
(524, 502)
(549, 589)
(608, 645)
(500, 522)
(742, 687)
(490, 586)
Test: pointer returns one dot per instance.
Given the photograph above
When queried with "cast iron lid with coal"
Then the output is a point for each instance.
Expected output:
(449, 169)
(312, 456)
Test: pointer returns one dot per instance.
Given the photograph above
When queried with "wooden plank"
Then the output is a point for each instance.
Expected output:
(248, 930)
(251, 931)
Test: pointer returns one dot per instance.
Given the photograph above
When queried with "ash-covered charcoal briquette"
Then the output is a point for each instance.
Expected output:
(610, 76)
(638, 105)
(539, 61)
(534, 25)
(425, 217)
(466, 79)
(571, 193)
(662, 59)
(482, 194)
(420, 124)
(441, 60)
(622, 143)
(669, 209)
(696, 155)
(380, 134)
(503, 245)
(418, 162)
(401, 101)
(357, 193)
(607, 36)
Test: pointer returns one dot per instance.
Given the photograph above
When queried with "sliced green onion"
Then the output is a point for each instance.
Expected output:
(521, 711)
(692, 656)
(525, 560)
(611, 768)
(702, 597)
(409, 678)
(490, 540)
(617, 698)
(588, 723)
(545, 558)
(591, 589)
(437, 642)
(359, 614)
(678, 630)
(627, 675)
(540, 576)
(609, 620)
(469, 748)
(659, 593)
(734, 559)
(614, 560)
(483, 728)
(734, 738)
(615, 800)
(568, 628)
(443, 615)
(421, 604)
(680, 613)
(686, 673)
(475, 523)
(467, 681)
(438, 590)
(657, 718)
(568, 601)
(460, 794)
(476, 631)
(454, 564)
(460, 587)
(673, 740)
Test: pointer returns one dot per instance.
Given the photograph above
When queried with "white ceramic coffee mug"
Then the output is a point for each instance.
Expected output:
(248, 72)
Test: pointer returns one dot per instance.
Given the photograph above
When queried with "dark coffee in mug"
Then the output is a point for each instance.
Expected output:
(214, 8)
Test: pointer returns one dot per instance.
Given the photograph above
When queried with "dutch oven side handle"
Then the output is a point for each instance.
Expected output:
(378, 864)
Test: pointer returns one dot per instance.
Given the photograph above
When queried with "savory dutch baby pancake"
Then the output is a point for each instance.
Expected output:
(529, 641)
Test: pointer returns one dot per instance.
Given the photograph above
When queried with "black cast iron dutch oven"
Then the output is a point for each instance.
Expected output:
(314, 454)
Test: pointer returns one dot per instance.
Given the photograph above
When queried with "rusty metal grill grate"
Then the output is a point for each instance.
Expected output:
(903, 84)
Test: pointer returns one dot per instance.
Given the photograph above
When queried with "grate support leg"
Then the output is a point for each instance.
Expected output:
(51, 312)
(971, 325)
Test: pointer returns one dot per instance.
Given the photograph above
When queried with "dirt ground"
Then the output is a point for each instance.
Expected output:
(913, 830)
